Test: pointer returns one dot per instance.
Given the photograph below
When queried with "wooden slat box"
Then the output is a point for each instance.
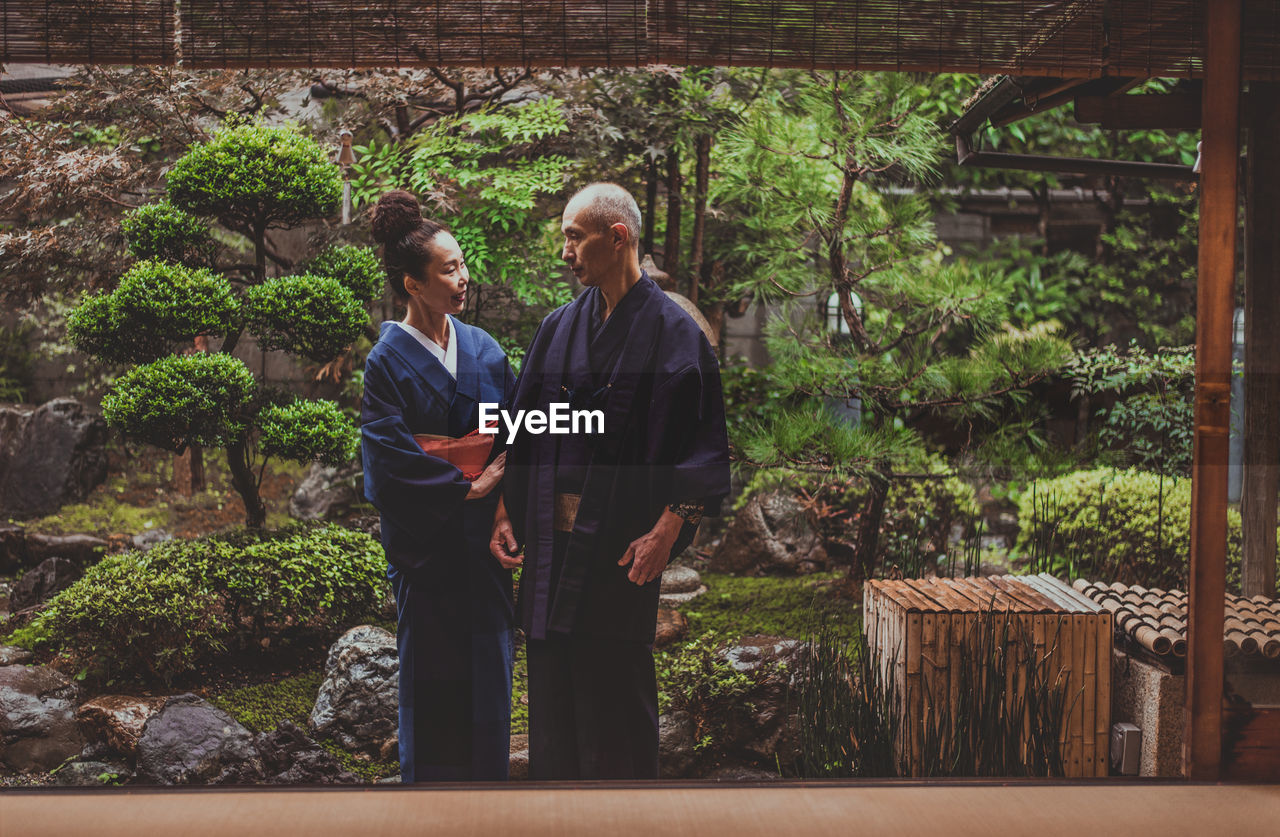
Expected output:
(922, 626)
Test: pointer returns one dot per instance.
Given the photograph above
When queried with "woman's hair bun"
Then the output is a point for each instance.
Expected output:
(396, 214)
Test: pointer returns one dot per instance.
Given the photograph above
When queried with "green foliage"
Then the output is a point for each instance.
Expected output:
(252, 176)
(181, 400)
(313, 316)
(155, 305)
(162, 232)
(750, 399)
(1151, 426)
(261, 708)
(489, 171)
(356, 268)
(129, 616)
(850, 712)
(16, 361)
(700, 681)
(811, 208)
(737, 606)
(1129, 526)
(307, 431)
(163, 612)
(919, 512)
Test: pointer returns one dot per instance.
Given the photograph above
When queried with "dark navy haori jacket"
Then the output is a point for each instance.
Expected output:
(653, 373)
(454, 600)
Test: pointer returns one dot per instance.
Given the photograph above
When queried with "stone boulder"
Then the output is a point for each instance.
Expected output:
(327, 492)
(286, 756)
(38, 728)
(359, 699)
(191, 742)
(12, 655)
(672, 627)
(518, 766)
(81, 550)
(39, 584)
(116, 722)
(148, 538)
(771, 534)
(92, 773)
(761, 726)
(13, 547)
(49, 456)
(680, 584)
(677, 735)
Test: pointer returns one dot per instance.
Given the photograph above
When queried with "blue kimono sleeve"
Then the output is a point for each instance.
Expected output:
(689, 436)
(417, 493)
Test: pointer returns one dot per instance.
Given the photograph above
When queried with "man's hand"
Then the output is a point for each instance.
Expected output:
(489, 479)
(502, 543)
(648, 555)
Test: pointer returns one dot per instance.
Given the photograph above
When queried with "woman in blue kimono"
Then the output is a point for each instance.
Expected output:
(428, 374)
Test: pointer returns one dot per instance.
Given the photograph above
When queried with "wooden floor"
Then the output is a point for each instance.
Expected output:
(1038, 810)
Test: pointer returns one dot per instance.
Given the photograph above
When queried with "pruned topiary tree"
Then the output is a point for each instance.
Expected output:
(249, 178)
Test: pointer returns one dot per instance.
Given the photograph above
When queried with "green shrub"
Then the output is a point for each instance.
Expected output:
(182, 399)
(357, 268)
(163, 231)
(155, 305)
(127, 615)
(919, 513)
(163, 612)
(312, 316)
(1129, 526)
(308, 430)
(250, 176)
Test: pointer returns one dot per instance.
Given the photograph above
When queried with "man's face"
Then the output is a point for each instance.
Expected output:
(590, 250)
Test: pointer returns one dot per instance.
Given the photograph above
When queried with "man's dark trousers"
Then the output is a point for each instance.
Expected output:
(593, 709)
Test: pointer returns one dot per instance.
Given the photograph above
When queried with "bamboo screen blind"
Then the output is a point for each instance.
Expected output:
(1070, 38)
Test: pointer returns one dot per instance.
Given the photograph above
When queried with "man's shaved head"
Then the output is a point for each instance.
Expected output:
(604, 204)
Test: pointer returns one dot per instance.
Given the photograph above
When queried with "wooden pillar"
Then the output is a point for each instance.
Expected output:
(1262, 342)
(1219, 185)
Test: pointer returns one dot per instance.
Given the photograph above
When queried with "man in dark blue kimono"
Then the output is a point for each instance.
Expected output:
(453, 599)
(599, 516)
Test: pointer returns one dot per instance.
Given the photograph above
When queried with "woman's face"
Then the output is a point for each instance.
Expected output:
(444, 290)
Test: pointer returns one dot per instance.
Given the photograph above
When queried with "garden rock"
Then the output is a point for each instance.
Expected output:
(81, 550)
(759, 726)
(49, 456)
(37, 719)
(672, 627)
(676, 739)
(679, 585)
(770, 535)
(149, 538)
(13, 547)
(742, 773)
(327, 492)
(91, 774)
(191, 742)
(358, 703)
(38, 585)
(116, 722)
(287, 756)
(12, 655)
(518, 766)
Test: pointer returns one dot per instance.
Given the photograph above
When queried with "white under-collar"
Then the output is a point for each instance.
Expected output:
(447, 357)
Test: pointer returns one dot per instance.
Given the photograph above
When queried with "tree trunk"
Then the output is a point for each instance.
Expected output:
(188, 467)
(703, 173)
(242, 479)
(650, 205)
(671, 250)
(872, 515)
(1261, 345)
(260, 252)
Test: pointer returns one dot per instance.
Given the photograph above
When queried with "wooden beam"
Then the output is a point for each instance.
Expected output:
(1170, 111)
(1262, 342)
(1215, 287)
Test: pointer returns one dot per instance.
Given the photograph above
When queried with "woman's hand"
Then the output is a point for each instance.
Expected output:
(489, 480)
